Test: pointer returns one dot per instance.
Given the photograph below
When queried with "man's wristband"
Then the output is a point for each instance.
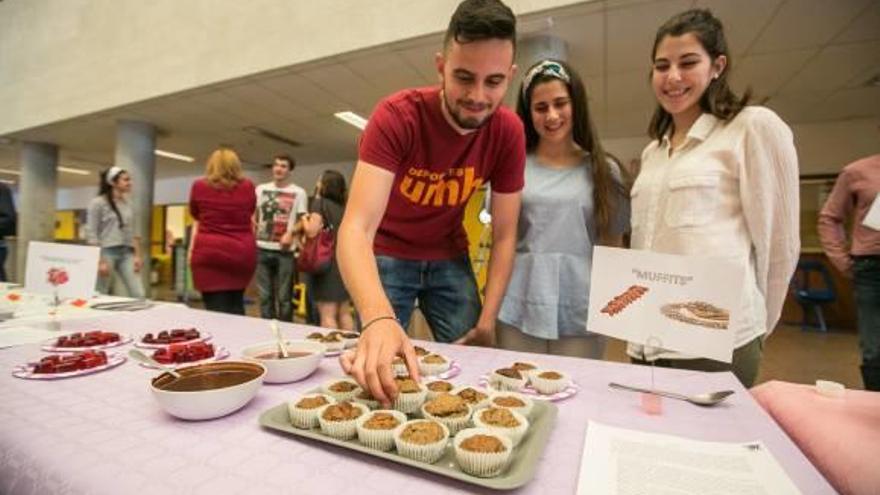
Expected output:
(374, 320)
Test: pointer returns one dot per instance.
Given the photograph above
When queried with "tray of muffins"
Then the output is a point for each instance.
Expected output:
(489, 438)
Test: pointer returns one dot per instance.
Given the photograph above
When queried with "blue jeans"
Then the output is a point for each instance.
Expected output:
(866, 271)
(446, 291)
(121, 261)
(275, 283)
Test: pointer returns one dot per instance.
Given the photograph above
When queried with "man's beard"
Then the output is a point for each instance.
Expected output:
(469, 123)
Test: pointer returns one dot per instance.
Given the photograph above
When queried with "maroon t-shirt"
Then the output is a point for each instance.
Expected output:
(436, 170)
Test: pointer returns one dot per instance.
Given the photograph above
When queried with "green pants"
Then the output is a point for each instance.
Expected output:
(746, 361)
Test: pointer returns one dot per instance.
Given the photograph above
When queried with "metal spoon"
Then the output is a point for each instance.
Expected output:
(277, 333)
(709, 399)
(140, 356)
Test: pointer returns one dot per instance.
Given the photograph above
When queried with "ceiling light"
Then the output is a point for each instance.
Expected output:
(175, 156)
(10, 171)
(259, 131)
(352, 118)
(75, 171)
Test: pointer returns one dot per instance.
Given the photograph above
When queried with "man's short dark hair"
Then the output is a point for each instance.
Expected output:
(287, 158)
(478, 20)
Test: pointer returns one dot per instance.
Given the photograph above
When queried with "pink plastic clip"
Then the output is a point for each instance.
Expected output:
(652, 404)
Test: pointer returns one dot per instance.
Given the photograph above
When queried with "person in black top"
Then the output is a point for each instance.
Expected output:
(7, 225)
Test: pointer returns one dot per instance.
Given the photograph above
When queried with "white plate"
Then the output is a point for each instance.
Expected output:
(203, 337)
(24, 371)
(48, 345)
(219, 354)
(567, 392)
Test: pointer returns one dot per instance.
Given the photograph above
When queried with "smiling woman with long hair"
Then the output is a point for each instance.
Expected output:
(573, 199)
(719, 179)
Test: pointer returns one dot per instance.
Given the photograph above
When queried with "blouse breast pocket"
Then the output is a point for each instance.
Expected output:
(693, 200)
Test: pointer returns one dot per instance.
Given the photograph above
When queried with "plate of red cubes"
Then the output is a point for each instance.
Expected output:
(68, 365)
(195, 353)
(174, 336)
(82, 341)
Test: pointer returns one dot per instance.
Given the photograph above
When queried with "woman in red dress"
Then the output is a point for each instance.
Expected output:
(223, 254)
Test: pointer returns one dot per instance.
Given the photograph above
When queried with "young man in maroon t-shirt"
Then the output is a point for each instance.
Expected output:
(423, 154)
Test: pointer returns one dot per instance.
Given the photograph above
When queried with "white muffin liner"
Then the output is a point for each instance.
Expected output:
(342, 430)
(411, 402)
(524, 410)
(549, 387)
(516, 434)
(400, 369)
(429, 369)
(334, 346)
(306, 418)
(432, 394)
(483, 403)
(378, 439)
(429, 453)
(455, 423)
(349, 343)
(340, 396)
(505, 383)
(482, 464)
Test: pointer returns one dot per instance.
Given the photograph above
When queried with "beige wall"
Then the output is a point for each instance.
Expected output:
(61, 59)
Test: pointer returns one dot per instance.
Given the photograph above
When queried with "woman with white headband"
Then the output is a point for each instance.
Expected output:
(573, 199)
(110, 225)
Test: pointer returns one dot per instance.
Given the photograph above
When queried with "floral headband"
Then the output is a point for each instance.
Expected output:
(545, 68)
(113, 173)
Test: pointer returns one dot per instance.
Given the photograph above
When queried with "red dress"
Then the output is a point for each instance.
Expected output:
(224, 256)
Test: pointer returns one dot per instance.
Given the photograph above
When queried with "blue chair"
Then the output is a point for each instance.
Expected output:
(813, 296)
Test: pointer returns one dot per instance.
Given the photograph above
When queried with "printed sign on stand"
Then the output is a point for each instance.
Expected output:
(872, 218)
(65, 270)
(685, 303)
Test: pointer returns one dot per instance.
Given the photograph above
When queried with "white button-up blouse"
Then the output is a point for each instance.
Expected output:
(730, 191)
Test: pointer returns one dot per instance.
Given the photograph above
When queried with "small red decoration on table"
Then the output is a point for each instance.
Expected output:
(13, 297)
(79, 303)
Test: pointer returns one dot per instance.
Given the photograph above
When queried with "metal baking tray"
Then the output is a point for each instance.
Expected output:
(519, 472)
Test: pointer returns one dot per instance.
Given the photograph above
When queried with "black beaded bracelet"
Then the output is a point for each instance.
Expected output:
(374, 320)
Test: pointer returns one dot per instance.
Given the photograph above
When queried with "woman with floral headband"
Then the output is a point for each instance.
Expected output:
(110, 225)
(573, 199)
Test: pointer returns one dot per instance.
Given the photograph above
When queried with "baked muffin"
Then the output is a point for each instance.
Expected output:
(410, 395)
(451, 410)
(508, 379)
(340, 420)
(501, 420)
(303, 411)
(341, 389)
(549, 382)
(366, 398)
(376, 429)
(475, 396)
(421, 439)
(513, 401)
(433, 364)
(525, 367)
(482, 452)
(437, 387)
(421, 351)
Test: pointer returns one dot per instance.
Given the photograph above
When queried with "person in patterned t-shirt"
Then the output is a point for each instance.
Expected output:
(424, 152)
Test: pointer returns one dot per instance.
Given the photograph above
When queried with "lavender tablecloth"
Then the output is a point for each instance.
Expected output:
(105, 434)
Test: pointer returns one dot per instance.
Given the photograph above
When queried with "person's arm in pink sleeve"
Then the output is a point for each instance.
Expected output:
(831, 226)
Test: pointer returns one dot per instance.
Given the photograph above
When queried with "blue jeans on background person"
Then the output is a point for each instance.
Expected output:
(121, 261)
(275, 284)
(866, 277)
(446, 291)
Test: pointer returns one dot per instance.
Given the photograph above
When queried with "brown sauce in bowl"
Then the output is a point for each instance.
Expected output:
(209, 376)
(277, 355)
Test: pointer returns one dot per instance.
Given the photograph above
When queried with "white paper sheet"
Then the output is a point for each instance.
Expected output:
(872, 218)
(618, 461)
(657, 316)
(13, 336)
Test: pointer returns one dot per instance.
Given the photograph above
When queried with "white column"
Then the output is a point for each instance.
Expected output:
(36, 199)
(135, 146)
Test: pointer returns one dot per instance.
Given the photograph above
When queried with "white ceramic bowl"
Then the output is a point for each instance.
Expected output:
(290, 369)
(214, 402)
